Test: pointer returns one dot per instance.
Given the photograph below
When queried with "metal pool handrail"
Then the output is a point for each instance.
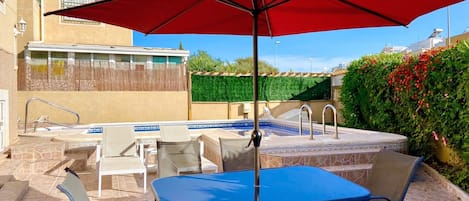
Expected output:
(300, 119)
(336, 135)
(51, 104)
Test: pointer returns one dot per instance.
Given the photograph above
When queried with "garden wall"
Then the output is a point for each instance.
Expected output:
(130, 106)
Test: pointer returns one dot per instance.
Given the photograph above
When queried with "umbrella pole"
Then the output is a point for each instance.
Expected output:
(256, 134)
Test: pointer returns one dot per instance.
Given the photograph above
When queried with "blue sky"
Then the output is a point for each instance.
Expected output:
(319, 51)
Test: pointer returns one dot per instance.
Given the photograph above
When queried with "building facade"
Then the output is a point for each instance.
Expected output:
(9, 37)
(75, 56)
(433, 41)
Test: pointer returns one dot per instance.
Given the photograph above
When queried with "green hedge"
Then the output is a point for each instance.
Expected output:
(421, 96)
(236, 89)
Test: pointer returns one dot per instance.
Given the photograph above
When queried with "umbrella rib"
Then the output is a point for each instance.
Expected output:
(273, 4)
(373, 12)
(266, 8)
(76, 7)
(236, 5)
(164, 23)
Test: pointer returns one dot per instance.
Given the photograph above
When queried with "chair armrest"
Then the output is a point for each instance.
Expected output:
(140, 149)
(67, 169)
(98, 152)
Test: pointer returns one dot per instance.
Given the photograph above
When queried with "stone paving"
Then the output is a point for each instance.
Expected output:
(128, 187)
(427, 185)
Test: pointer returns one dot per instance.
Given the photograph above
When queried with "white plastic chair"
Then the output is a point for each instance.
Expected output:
(119, 155)
(391, 175)
(72, 187)
(180, 133)
(175, 158)
(235, 155)
(174, 133)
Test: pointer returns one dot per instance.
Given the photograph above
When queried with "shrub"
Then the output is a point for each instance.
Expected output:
(421, 96)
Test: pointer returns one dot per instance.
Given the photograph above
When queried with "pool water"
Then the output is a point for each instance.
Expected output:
(269, 130)
(240, 127)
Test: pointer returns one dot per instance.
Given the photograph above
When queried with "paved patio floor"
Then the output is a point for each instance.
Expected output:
(129, 187)
(425, 187)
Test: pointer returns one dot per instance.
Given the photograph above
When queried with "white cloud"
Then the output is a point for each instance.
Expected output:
(285, 63)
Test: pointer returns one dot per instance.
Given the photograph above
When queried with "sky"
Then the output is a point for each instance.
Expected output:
(318, 51)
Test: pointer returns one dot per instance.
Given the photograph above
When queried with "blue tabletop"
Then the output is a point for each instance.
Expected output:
(296, 183)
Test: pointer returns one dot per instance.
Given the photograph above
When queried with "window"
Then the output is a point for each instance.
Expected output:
(83, 65)
(159, 62)
(122, 61)
(82, 59)
(139, 62)
(100, 60)
(175, 60)
(38, 65)
(73, 3)
(58, 63)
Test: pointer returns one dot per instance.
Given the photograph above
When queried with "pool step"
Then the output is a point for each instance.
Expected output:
(351, 161)
(39, 156)
(353, 165)
(11, 189)
(32, 151)
(6, 178)
(14, 190)
(355, 173)
(320, 159)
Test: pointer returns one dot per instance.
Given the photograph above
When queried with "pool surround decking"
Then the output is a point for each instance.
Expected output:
(276, 151)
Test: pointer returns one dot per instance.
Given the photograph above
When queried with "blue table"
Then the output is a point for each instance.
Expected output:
(296, 183)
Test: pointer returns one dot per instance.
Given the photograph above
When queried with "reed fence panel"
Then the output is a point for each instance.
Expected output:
(101, 76)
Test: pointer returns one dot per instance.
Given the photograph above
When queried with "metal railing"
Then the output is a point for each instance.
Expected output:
(300, 119)
(51, 104)
(336, 135)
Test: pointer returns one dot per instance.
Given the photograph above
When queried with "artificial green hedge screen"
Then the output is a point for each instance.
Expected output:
(236, 89)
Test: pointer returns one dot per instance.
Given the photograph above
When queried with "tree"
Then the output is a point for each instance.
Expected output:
(180, 46)
(202, 61)
(245, 65)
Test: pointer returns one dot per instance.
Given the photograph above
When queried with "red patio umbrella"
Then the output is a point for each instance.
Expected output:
(252, 17)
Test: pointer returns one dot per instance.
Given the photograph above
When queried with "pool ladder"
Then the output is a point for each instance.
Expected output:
(300, 119)
(44, 118)
(336, 135)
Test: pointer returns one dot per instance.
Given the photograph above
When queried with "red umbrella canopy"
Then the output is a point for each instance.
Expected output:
(252, 17)
(276, 17)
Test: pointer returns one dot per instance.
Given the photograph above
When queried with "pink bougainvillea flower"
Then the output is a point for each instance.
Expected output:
(444, 141)
(435, 135)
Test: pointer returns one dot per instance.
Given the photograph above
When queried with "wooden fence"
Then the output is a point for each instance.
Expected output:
(84, 77)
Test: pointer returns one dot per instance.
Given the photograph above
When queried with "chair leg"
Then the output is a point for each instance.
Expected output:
(99, 185)
(145, 182)
(141, 147)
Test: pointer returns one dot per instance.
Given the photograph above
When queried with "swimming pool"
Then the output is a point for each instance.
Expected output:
(352, 148)
(241, 127)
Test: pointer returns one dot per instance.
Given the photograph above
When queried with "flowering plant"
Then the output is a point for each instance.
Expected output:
(424, 97)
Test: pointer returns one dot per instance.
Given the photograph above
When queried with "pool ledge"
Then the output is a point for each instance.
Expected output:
(347, 141)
